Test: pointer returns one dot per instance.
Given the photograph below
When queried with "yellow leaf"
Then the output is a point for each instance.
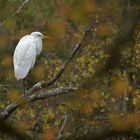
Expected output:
(96, 96)
(104, 30)
(4, 41)
(7, 60)
(23, 125)
(120, 87)
(89, 6)
(57, 28)
(10, 24)
(118, 122)
(38, 72)
(86, 108)
(13, 95)
(50, 134)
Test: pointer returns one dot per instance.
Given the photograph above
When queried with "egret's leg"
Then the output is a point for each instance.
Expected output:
(24, 86)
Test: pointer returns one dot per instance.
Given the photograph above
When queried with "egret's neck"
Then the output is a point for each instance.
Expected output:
(38, 45)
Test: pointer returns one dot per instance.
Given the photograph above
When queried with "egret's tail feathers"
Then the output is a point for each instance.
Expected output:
(21, 73)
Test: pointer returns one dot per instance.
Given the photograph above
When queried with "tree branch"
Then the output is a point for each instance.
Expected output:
(14, 14)
(80, 44)
(36, 96)
(61, 131)
(43, 84)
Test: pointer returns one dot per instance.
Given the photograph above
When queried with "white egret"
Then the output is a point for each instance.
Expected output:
(26, 51)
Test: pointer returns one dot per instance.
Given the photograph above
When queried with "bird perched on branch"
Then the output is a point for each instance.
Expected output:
(26, 51)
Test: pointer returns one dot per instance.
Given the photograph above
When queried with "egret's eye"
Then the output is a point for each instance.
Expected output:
(39, 35)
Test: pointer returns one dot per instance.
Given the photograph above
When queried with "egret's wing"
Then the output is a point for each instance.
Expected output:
(24, 56)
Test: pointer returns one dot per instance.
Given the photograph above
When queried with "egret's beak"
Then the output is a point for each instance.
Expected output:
(46, 37)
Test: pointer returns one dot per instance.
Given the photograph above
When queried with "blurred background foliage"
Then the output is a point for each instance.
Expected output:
(116, 99)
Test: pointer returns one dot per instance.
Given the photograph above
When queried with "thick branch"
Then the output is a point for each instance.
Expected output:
(43, 95)
(37, 96)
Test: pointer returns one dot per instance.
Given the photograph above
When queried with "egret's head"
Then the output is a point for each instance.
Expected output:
(38, 35)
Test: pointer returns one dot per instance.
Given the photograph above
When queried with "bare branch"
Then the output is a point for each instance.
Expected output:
(36, 96)
(21, 6)
(60, 134)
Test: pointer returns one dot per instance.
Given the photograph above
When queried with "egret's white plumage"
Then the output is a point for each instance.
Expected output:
(25, 54)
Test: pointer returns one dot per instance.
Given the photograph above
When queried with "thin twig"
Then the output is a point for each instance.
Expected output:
(14, 14)
(61, 131)
(9, 86)
(21, 6)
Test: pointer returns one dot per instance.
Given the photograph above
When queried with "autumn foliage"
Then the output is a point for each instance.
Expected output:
(105, 70)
